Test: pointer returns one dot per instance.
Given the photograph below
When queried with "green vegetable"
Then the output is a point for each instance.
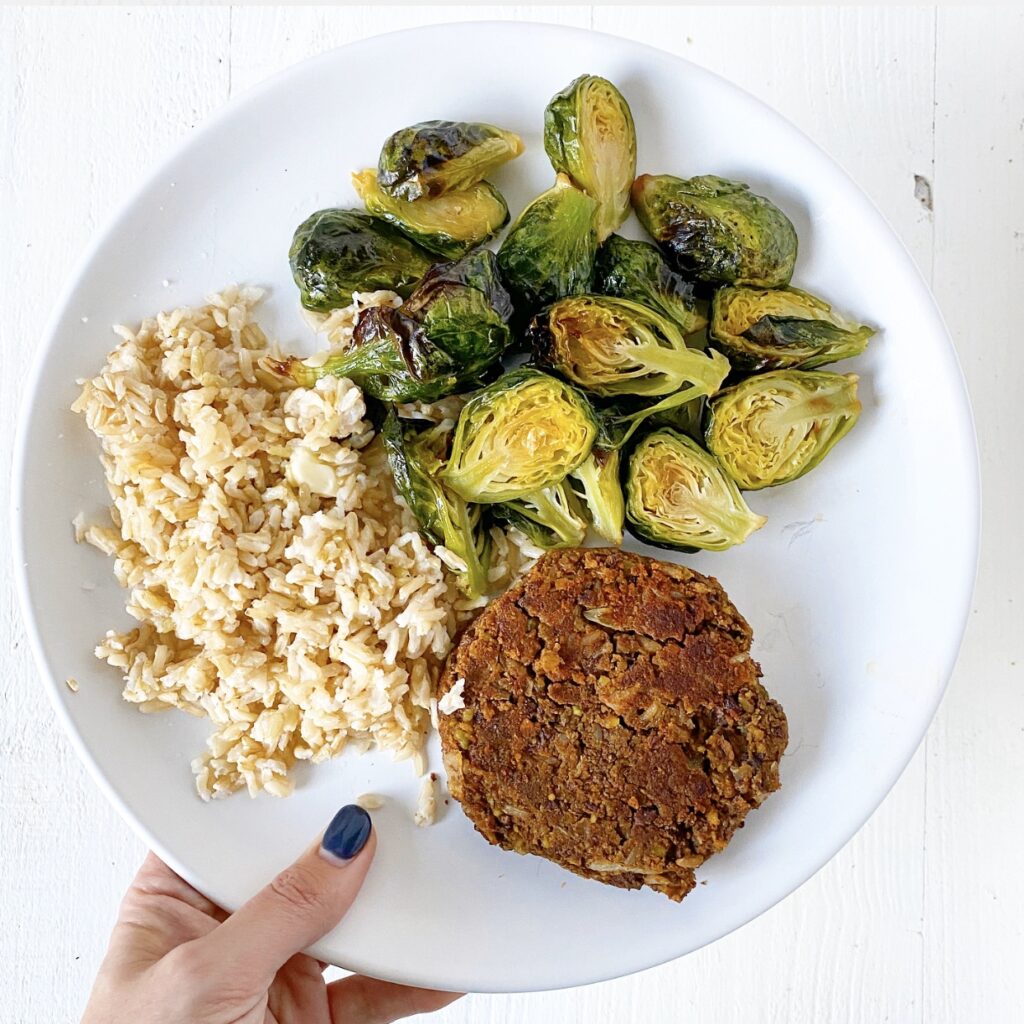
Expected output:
(615, 348)
(596, 481)
(677, 496)
(450, 225)
(444, 338)
(637, 271)
(427, 160)
(337, 252)
(523, 433)
(717, 230)
(549, 250)
(549, 517)
(775, 427)
(589, 135)
(761, 329)
(417, 458)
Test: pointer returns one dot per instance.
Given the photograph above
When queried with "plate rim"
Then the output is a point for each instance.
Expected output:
(207, 127)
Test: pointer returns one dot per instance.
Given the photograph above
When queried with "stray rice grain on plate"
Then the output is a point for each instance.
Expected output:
(282, 589)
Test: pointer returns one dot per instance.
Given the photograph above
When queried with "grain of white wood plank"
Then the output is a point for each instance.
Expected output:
(974, 935)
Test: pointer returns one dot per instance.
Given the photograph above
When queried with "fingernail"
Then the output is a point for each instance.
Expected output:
(347, 833)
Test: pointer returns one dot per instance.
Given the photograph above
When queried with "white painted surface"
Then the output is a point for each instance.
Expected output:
(919, 918)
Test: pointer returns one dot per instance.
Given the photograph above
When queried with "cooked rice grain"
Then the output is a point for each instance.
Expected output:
(299, 619)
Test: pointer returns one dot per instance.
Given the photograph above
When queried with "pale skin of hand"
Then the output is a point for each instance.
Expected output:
(176, 958)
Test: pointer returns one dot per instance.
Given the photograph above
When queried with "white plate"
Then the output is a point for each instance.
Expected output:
(857, 589)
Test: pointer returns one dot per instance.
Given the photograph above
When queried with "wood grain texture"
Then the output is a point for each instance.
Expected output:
(917, 920)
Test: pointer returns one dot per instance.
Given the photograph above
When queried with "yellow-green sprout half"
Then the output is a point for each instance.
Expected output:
(449, 225)
(772, 329)
(775, 427)
(678, 496)
(524, 432)
(431, 158)
(589, 135)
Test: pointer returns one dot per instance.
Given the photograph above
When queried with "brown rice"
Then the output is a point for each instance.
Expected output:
(282, 589)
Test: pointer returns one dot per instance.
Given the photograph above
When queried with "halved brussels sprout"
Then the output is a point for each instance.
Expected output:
(444, 338)
(770, 329)
(678, 496)
(337, 252)
(775, 427)
(717, 230)
(450, 225)
(589, 135)
(417, 458)
(431, 158)
(617, 347)
(597, 483)
(549, 250)
(637, 271)
(550, 517)
(524, 432)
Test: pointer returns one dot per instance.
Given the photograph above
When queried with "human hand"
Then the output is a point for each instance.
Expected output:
(176, 958)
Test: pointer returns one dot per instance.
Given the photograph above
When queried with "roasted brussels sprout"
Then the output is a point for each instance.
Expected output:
(450, 225)
(616, 347)
(524, 432)
(763, 329)
(337, 252)
(597, 483)
(589, 135)
(549, 517)
(775, 427)
(717, 230)
(431, 158)
(677, 496)
(637, 271)
(443, 338)
(549, 250)
(417, 458)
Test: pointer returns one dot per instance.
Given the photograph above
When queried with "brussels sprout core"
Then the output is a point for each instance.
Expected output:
(677, 496)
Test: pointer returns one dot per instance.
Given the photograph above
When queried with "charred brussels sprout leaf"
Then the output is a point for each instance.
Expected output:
(449, 225)
(678, 496)
(597, 483)
(431, 158)
(762, 329)
(717, 230)
(589, 135)
(775, 427)
(616, 348)
(523, 433)
(550, 517)
(549, 250)
(337, 252)
(417, 458)
(444, 337)
(637, 271)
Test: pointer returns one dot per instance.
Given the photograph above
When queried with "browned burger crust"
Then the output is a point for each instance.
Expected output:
(614, 722)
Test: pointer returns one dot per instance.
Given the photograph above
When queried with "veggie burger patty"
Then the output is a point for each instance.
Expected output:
(613, 720)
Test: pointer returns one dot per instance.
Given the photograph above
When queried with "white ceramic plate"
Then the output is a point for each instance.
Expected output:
(857, 589)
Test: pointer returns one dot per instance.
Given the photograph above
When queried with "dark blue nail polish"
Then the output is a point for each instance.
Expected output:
(347, 833)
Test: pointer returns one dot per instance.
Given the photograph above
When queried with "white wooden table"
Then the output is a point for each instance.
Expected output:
(919, 918)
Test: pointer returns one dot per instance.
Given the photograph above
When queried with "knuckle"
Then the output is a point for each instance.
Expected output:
(300, 888)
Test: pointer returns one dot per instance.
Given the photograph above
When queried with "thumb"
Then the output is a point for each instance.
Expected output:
(300, 905)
